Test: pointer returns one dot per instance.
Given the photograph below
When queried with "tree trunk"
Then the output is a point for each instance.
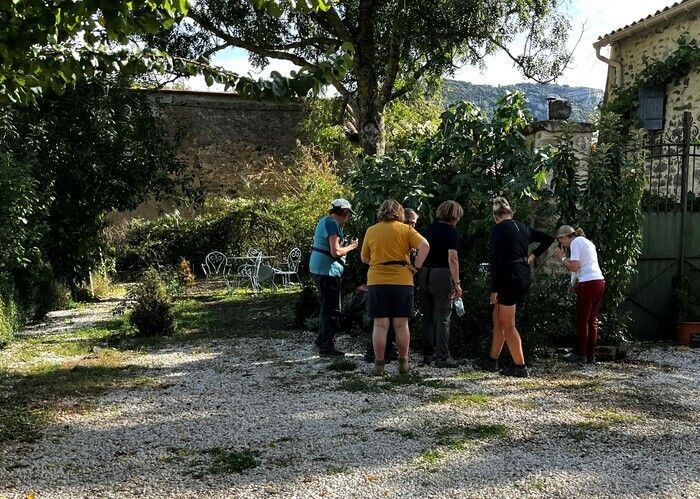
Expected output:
(371, 127)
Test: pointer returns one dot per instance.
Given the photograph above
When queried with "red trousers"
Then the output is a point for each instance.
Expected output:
(589, 295)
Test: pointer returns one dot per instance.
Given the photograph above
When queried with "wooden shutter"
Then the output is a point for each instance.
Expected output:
(651, 108)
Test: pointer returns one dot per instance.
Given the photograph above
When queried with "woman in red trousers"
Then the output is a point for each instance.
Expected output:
(588, 283)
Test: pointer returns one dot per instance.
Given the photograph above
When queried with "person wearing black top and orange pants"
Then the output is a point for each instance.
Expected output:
(510, 281)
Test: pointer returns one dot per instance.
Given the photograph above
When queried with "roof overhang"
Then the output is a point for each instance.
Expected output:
(675, 10)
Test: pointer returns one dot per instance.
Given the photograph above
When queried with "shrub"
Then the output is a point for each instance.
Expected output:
(235, 225)
(152, 313)
(184, 273)
(10, 319)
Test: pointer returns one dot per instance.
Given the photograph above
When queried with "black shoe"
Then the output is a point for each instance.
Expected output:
(427, 360)
(446, 363)
(515, 371)
(489, 364)
(332, 353)
(575, 358)
(592, 360)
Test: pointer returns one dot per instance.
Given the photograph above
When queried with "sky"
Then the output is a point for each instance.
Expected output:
(594, 17)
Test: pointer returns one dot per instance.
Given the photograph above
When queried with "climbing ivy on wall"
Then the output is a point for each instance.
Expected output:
(657, 74)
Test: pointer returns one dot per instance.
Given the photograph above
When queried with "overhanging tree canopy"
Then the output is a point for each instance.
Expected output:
(396, 43)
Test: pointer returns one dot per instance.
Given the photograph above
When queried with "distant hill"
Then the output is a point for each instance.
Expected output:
(584, 100)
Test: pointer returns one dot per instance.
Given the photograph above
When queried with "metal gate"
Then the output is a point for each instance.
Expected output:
(671, 244)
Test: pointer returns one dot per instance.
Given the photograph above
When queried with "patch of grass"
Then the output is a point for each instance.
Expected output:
(336, 470)
(225, 461)
(430, 457)
(472, 375)
(463, 399)
(458, 436)
(613, 416)
(407, 434)
(267, 315)
(579, 384)
(527, 405)
(360, 384)
(342, 365)
(583, 429)
(21, 423)
(415, 378)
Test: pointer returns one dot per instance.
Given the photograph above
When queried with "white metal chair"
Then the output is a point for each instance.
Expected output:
(216, 264)
(250, 271)
(291, 269)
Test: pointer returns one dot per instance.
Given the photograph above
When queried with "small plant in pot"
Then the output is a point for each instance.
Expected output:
(688, 310)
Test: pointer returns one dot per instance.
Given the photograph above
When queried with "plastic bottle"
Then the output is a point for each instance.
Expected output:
(459, 306)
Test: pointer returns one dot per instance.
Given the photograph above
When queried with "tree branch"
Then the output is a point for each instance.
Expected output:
(249, 46)
(417, 74)
(393, 58)
(331, 22)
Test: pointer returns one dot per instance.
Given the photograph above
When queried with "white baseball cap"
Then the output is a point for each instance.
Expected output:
(343, 204)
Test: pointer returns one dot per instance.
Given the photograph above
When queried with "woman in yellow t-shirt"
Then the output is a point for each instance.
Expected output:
(386, 248)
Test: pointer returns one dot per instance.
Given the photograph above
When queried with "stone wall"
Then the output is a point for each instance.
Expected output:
(230, 143)
(642, 48)
(543, 133)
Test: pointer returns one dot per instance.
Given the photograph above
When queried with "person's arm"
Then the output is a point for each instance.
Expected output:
(572, 264)
(365, 253)
(337, 250)
(422, 254)
(545, 240)
(494, 265)
(453, 261)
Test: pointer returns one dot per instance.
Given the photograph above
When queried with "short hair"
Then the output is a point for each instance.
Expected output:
(501, 207)
(335, 210)
(449, 211)
(390, 210)
(408, 212)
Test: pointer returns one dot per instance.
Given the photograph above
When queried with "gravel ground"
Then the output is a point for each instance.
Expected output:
(613, 430)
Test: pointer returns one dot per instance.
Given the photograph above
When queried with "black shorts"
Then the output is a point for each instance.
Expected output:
(516, 285)
(389, 301)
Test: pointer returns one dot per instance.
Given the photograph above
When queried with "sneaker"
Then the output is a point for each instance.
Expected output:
(515, 371)
(575, 358)
(403, 366)
(332, 353)
(446, 363)
(488, 364)
(427, 360)
(378, 368)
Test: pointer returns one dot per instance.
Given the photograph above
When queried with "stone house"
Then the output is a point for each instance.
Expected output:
(638, 45)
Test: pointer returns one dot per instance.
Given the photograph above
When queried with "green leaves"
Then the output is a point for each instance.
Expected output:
(44, 47)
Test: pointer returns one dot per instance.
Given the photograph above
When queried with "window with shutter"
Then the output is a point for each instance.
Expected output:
(651, 108)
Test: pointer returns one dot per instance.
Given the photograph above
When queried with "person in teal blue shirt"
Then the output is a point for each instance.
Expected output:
(326, 265)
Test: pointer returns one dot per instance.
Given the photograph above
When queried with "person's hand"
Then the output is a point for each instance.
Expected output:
(353, 244)
(493, 299)
(412, 268)
(559, 253)
(456, 292)
(531, 259)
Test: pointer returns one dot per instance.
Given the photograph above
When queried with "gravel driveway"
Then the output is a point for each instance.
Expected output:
(256, 417)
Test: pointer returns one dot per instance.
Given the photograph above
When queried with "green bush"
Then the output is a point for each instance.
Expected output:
(234, 225)
(153, 311)
(10, 319)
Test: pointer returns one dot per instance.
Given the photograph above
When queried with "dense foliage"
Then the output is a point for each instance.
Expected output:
(52, 45)
(67, 161)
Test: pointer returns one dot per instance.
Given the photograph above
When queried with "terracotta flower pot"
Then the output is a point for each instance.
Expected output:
(685, 331)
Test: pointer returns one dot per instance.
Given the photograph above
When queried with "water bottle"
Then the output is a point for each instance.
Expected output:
(459, 306)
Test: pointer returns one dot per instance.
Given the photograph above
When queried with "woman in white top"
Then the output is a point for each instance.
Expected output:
(589, 285)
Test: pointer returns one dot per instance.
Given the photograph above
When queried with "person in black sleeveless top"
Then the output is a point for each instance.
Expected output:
(438, 282)
(510, 281)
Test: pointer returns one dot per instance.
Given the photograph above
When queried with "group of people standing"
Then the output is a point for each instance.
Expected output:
(399, 258)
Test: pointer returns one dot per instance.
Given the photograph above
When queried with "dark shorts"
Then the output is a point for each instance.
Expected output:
(389, 301)
(516, 285)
